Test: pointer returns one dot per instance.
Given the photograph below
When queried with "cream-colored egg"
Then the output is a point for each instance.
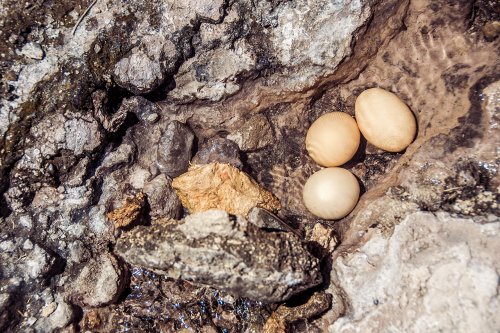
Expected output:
(331, 193)
(333, 139)
(385, 120)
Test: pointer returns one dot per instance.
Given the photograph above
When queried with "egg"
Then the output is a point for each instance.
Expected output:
(331, 193)
(385, 120)
(333, 139)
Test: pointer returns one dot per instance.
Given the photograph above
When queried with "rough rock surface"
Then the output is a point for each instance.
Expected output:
(435, 273)
(180, 304)
(76, 140)
(219, 150)
(224, 251)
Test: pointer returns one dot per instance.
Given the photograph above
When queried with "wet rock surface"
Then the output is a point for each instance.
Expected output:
(224, 251)
(103, 100)
(180, 304)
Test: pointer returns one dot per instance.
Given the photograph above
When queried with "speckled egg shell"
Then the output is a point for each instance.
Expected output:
(331, 193)
(385, 120)
(333, 139)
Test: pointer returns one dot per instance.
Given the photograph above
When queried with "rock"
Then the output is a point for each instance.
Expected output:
(138, 73)
(213, 75)
(59, 318)
(162, 199)
(112, 122)
(226, 252)
(33, 51)
(141, 107)
(32, 264)
(82, 135)
(100, 282)
(267, 220)
(179, 303)
(323, 239)
(433, 269)
(174, 149)
(220, 150)
(491, 30)
(256, 133)
(130, 212)
(48, 309)
(221, 186)
(285, 315)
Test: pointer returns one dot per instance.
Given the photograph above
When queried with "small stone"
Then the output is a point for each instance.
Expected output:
(323, 239)
(218, 150)
(27, 245)
(318, 303)
(256, 133)
(138, 73)
(91, 319)
(174, 149)
(491, 30)
(130, 212)
(111, 121)
(48, 309)
(152, 117)
(162, 199)
(99, 283)
(33, 51)
(222, 186)
(82, 135)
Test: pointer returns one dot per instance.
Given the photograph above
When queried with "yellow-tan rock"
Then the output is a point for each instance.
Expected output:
(129, 212)
(222, 186)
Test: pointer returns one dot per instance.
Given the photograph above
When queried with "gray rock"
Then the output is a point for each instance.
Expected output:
(33, 51)
(139, 106)
(435, 273)
(138, 73)
(82, 135)
(112, 122)
(174, 149)
(162, 199)
(100, 282)
(226, 252)
(267, 220)
(256, 133)
(31, 264)
(218, 150)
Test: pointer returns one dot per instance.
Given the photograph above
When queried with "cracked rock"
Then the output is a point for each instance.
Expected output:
(222, 186)
(162, 200)
(226, 252)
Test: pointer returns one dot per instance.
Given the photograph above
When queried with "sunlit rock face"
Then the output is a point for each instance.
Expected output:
(433, 268)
